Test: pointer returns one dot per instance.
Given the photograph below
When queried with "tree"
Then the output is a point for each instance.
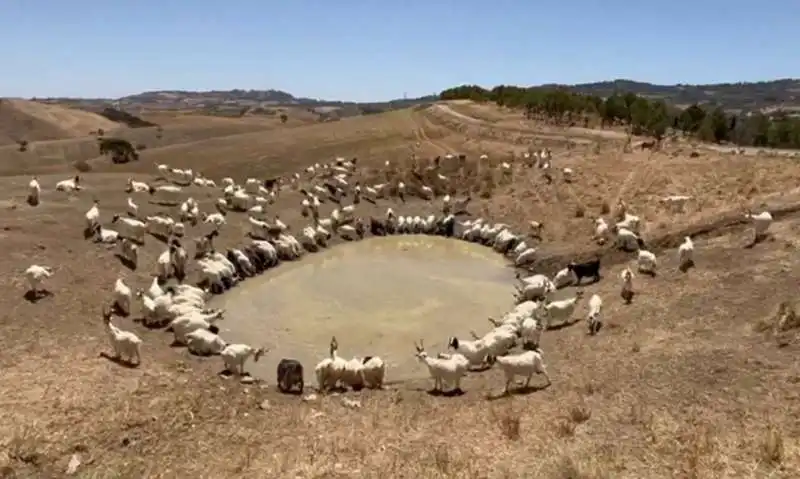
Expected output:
(121, 150)
(691, 118)
(643, 116)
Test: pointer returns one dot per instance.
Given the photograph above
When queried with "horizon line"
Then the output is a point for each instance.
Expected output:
(406, 98)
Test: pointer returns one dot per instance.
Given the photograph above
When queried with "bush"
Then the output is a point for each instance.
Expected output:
(82, 166)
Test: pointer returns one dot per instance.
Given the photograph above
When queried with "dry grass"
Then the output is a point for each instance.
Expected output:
(678, 384)
(34, 121)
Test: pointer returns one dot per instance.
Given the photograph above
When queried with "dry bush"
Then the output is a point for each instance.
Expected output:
(785, 318)
(577, 414)
(83, 166)
(509, 423)
(772, 451)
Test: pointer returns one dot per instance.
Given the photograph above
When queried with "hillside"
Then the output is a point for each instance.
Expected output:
(764, 96)
(34, 121)
(694, 377)
(235, 102)
(784, 93)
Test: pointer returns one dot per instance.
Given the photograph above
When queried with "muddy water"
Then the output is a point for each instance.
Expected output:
(376, 296)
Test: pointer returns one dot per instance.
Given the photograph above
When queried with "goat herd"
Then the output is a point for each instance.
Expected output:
(181, 307)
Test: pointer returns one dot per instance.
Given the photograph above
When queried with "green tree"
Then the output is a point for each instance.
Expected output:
(120, 150)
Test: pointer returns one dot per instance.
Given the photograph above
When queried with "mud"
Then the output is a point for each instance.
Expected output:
(376, 296)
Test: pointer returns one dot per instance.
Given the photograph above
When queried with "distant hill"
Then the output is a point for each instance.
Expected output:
(234, 102)
(126, 118)
(24, 120)
(766, 95)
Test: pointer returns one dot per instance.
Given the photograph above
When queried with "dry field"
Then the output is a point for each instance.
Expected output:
(59, 136)
(691, 380)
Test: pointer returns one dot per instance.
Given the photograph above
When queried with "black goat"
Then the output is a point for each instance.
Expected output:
(589, 269)
(377, 227)
(446, 226)
(290, 375)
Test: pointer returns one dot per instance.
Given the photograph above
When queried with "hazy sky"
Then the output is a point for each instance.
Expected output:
(377, 50)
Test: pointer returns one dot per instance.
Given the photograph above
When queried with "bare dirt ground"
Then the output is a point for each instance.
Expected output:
(688, 381)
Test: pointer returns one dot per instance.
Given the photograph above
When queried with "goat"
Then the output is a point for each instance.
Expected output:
(593, 318)
(235, 355)
(290, 375)
(524, 364)
(589, 269)
(561, 310)
(126, 344)
(450, 370)
(761, 223)
(686, 254)
(34, 192)
(36, 275)
(627, 292)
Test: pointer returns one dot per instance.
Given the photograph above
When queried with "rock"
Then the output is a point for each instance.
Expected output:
(74, 463)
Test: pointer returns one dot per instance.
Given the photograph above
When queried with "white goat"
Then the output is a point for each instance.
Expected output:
(646, 262)
(35, 275)
(93, 216)
(133, 208)
(561, 310)
(627, 292)
(761, 223)
(686, 254)
(203, 342)
(34, 192)
(126, 345)
(593, 317)
(235, 355)
(122, 297)
(130, 228)
(525, 364)
(134, 186)
(449, 370)
(70, 185)
(166, 194)
(475, 351)
(128, 251)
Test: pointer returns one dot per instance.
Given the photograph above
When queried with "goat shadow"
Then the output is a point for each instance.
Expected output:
(562, 325)
(88, 233)
(686, 266)
(520, 391)
(757, 240)
(447, 394)
(151, 327)
(595, 280)
(118, 361)
(160, 237)
(34, 297)
(119, 311)
(126, 262)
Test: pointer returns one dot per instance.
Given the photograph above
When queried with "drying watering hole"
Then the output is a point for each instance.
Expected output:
(377, 296)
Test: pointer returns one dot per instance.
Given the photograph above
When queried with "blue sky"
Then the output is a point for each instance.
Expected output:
(371, 50)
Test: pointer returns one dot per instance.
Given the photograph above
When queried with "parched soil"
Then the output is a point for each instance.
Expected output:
(691, 380)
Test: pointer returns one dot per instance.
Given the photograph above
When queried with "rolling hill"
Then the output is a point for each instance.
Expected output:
(33, 121)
